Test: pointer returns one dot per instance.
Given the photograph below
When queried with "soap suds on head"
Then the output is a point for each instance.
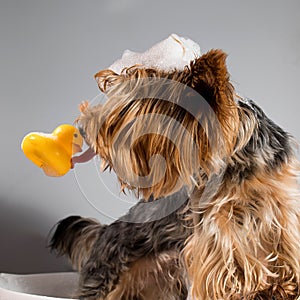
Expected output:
(174, 52)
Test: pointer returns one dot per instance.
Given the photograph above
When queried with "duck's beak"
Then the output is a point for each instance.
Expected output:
(76, 148)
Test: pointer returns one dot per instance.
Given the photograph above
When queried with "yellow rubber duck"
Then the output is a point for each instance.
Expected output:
(53, 151)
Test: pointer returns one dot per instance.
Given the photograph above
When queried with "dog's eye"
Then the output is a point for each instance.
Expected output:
(82, 132)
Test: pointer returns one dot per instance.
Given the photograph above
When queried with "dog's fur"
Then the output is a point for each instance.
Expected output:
(127, 260)
(244, 243)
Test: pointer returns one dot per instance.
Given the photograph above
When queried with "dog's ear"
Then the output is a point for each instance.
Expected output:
(210, 78)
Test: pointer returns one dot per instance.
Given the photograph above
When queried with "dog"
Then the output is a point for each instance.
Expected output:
(241, 231)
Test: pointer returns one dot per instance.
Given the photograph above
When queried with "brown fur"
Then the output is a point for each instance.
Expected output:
(156, 283)
(245, 242)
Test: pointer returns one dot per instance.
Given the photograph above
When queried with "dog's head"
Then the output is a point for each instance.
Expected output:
(161, 130)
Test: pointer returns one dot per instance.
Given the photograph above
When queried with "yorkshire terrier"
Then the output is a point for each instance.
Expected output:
(236, 232)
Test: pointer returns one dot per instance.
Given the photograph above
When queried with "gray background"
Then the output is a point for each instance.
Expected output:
(50, 51)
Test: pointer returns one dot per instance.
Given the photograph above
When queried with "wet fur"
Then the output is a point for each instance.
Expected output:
(245, 238)
(120, 261)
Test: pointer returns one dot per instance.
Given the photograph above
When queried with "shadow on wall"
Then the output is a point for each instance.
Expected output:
(24, 244)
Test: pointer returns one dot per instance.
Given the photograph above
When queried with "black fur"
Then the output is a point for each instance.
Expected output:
(268, 141)
(122, 243)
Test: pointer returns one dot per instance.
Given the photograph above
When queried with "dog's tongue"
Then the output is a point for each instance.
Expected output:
(84, 157)
(172, 53)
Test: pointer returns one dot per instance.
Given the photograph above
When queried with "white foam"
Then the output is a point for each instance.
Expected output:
(172, 53)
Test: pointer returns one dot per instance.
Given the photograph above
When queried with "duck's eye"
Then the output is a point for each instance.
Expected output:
(75, 135)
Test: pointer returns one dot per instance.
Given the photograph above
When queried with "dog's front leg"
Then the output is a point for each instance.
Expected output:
(124, 242)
